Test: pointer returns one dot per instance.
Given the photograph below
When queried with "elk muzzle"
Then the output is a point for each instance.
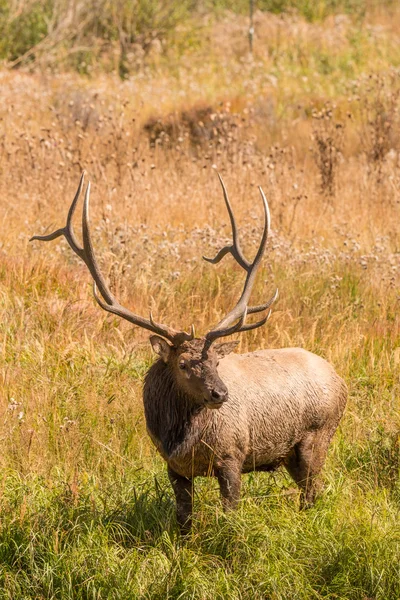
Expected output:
(216, 396)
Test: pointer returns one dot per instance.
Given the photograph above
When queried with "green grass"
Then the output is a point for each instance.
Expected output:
(86, 507)
(116, 538)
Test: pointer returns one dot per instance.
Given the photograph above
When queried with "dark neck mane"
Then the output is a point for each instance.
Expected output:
(172, 417)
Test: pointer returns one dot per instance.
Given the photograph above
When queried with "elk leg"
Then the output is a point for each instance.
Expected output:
(230, 481)
(182, 487)
(305, 463)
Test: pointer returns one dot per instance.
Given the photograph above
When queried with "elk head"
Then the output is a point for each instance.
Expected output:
(195, 371)
(192, 361)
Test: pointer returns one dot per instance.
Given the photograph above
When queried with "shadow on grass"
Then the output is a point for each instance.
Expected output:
(144, 518)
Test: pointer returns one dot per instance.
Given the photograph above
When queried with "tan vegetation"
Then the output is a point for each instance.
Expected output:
(312, 117)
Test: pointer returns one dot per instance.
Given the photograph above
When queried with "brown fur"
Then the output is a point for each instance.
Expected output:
(252, 411)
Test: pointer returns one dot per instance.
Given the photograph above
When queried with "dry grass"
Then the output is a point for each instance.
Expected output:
(72, 429)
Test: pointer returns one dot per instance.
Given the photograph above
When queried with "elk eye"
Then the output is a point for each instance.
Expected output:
(182, 366)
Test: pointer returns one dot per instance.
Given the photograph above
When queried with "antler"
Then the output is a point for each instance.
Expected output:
(106, 300)
(241, 310)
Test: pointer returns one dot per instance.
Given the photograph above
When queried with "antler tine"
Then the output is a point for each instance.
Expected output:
(68, 230)
(234, 248)
(215, 334)
(257, 324)
(262, 307)
(105, 298)
(241, 310)
(240, 325)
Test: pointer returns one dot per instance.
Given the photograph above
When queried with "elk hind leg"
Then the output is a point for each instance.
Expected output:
(305, 463)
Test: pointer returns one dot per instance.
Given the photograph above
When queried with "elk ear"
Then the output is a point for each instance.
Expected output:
(225, 348)
(160, 347)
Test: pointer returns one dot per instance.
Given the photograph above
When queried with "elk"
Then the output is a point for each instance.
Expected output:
(211, 412)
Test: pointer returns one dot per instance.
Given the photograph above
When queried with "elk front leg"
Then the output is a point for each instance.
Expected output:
(182, 487)
(230, 481)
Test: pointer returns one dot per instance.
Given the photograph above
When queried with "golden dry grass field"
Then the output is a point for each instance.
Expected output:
(314, 118)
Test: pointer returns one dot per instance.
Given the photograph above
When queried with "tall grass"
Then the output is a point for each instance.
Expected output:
(86, 508)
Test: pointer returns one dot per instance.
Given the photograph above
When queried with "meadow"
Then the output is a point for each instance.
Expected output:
(86, 509)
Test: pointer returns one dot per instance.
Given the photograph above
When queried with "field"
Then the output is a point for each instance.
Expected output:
(313, 117)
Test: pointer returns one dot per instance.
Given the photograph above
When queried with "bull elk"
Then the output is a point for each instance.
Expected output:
(210, 412)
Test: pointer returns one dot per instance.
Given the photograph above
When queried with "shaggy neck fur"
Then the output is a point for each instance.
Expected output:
(171, 413)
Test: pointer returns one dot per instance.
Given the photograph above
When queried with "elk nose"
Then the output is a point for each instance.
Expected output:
(218, 396)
